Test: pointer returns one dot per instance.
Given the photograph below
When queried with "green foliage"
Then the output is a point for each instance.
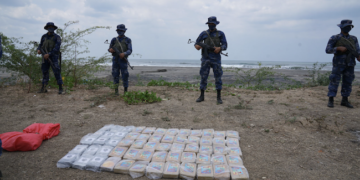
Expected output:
(139, 81)
(20, 59)
(136, 97)
(317, 77)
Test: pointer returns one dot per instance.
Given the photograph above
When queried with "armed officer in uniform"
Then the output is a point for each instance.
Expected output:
(50, 43)
(343, 66)
(123, 45)
(215, 38)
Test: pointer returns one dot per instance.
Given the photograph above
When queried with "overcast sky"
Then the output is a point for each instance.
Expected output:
(261, 30)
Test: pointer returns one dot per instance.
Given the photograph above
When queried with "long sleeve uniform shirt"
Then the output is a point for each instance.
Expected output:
(203, 35)
(57, 41)
(127, 42)
(331, 49)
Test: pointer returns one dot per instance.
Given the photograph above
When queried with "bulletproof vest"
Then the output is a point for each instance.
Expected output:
(123, 47)
(341, 42)
(215, 39)
(49, 44)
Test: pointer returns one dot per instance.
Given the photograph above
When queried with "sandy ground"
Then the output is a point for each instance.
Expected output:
(285, 135)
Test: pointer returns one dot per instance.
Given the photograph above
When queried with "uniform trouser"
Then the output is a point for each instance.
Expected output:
(117, 66)
(56, 69)
(206, 64)
(347, 73)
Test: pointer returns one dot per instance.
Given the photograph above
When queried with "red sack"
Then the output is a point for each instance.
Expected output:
(18, 141)
(47, 130)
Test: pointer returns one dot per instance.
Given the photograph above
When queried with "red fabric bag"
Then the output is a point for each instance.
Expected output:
(48, 130)
(18, 141)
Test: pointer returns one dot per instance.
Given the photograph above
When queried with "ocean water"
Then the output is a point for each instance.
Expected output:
(229, 63)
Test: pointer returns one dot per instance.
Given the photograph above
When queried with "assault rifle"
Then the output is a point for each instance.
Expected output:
(350, 49)
(206, 48)
(118, 55)
(43, 53)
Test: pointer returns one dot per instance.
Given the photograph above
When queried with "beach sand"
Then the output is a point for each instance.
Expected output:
(288, 134)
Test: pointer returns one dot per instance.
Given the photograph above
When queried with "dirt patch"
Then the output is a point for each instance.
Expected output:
(284, 134)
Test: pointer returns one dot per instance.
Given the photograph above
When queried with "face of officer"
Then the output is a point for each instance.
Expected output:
(212, 26)
(120, 32)
(346, 29)
(51, 29)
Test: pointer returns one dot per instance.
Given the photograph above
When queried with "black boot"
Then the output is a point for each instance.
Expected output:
(60, 89)
(345, 102)
(43, 89)
(219, 101)
(331, 102)
(125, 90)
(201, 98)
(116, 91)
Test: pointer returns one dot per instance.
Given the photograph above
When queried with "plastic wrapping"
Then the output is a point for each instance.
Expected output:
(232, 134)
(149, 130)
(160, 131)
(221, 172)
(168, 139)
(172, 132)
(91, 150)
(220, 134)
(126, 142)
(117, 128)
(143, 137)
(97, 134)
(172, 170)
(193, 140)
(138, 144)
(118, 152)
(112, 142)
(232, 142)
(218, 159)
(123, 166)
(206, 141)
(180, 139)
(151, 146)
(155, 170)
(129, 128)
(203, 159)
(192, 148)
(188, 157)
(139, 129)
(159, 156)
(145, 155)
(88, 139)
(95, 163)
(184, 132)
(120, 134)
(206, 149)
(174, 157)
(131, 154)
(177, 147)
(205, 172)
(234, 159)
(138, 169)
(196, 133)
(238, 172)
(163, 147)
(220, 150)
(108, 134)
(101, 140)
(78, 149)
(156, 138)
(235, 151)
(104, 151)
(109, 164)
(218, 141)
(106, 127)
(208, 133)
(188, 171)
(67, 160)
(132, 135)
(81, 162)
